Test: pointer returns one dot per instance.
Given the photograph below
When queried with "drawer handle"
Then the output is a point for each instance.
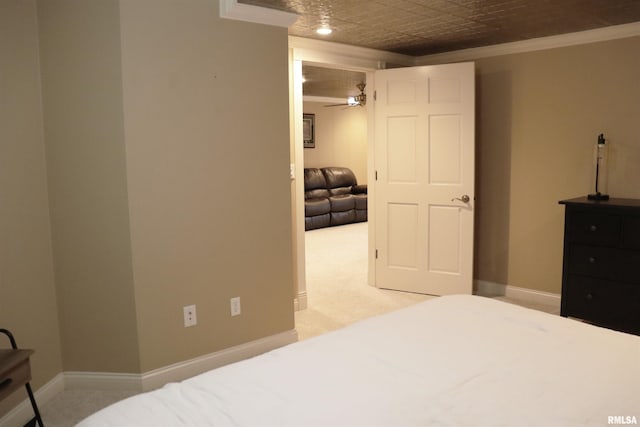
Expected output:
(593, 228)
(592, 260)
(5, 383)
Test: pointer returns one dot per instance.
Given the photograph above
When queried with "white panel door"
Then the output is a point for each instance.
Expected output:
(424, 158)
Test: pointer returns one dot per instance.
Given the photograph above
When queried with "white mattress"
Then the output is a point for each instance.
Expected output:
(451, 361)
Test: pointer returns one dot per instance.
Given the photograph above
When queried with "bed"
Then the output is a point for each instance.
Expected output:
(451, 361)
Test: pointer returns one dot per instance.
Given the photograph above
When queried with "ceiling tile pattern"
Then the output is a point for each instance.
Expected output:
(422, 27)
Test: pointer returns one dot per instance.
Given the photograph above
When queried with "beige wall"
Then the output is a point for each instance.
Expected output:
(207, 147)
(341, 138)
(155, 153)
(539, 115)
(82, 94)
(27, 293)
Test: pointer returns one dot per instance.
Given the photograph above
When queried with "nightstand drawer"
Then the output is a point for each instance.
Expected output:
(604, 302)
(595, 228)
(605, 263)
(17, 372)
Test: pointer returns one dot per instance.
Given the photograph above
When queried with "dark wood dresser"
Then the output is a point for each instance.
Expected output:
(601, 265)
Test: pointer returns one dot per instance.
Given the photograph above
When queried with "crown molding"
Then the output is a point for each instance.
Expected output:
(350, 57)
(542, 43)
(365, 59)
(231, 9)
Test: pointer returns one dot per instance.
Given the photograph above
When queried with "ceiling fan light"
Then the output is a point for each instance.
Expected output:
(324, 31)
(352, 101)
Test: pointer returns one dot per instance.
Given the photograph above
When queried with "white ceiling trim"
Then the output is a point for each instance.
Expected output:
(231, 9)
(542, 43)
(344, 56)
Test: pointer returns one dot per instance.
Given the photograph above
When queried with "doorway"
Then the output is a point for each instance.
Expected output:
(298, 166)
(441, 128)
(336, 261)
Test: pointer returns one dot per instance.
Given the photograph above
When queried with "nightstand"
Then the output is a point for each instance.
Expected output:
(15, 372)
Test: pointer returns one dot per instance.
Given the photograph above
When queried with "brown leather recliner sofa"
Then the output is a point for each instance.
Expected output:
(332, 196)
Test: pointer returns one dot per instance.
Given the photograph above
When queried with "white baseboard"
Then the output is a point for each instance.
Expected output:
(492, 289)
(177, 371)
(183, 370)
(18, 416)
(70, 380)
(300, 302)
(531, 295)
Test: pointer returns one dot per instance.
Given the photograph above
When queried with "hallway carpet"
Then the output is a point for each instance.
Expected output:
(337, 289)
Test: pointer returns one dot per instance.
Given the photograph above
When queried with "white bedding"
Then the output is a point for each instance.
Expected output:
(451, 361)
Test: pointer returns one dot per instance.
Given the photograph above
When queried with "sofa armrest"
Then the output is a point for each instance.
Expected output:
(359, 189)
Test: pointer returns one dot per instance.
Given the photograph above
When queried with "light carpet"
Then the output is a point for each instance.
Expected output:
(72, 406)
(337, 289)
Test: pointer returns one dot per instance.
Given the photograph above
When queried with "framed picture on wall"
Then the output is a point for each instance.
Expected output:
(308, 130)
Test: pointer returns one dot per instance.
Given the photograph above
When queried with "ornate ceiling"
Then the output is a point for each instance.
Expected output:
(422, 27)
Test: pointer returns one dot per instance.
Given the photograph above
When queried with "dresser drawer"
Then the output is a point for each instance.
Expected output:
(631, 232)
(604, 302)
(605, 263)
(594, 228)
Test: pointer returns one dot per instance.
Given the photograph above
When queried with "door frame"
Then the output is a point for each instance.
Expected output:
(330, 55)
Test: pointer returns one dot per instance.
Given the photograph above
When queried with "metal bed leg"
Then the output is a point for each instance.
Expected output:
(37, 416)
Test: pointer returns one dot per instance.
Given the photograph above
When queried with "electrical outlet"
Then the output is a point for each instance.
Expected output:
(235, 306)
(190, 315)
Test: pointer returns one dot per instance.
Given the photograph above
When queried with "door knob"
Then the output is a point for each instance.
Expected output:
(464, 198)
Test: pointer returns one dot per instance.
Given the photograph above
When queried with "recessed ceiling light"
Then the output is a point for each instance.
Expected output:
(323, 31)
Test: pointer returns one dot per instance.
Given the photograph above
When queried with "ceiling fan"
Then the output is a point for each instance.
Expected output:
(353, 101)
